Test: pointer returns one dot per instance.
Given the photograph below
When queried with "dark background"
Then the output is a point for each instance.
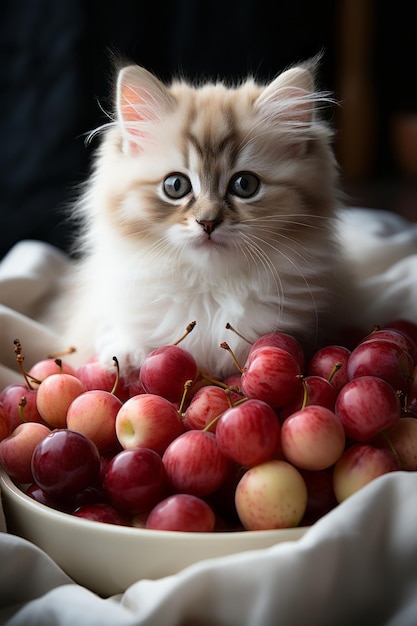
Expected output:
(56, 74)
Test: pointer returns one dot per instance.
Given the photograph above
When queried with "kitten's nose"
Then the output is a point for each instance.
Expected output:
(209, 225)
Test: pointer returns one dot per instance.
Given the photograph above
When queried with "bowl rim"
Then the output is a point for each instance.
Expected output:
(17, 494)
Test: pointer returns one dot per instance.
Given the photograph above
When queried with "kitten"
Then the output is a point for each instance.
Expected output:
(207, 203)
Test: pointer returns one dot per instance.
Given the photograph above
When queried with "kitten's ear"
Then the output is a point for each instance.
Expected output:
(141, 99)
(289, 98)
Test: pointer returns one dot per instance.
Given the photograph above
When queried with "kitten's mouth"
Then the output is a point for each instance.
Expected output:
(209, 242)
(215, 238)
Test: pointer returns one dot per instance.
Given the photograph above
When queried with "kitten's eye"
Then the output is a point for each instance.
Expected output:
(244, 185)
(177, 186)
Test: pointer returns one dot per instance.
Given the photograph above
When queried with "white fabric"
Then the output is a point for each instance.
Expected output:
(358, 564)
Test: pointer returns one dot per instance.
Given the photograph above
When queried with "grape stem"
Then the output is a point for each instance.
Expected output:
(335, 369)
(23, 402)
(226, 346)
(187, 331)
(116, 382)
(187, 385)
(219, 383)
(20, 358)
(230, 327)
(305, 394)
(56, 355)
(391, 446)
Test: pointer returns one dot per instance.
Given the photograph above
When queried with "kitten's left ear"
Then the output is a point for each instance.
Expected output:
(141, 99)
(289, 98)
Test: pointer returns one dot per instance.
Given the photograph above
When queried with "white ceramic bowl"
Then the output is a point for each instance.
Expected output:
(107, 558)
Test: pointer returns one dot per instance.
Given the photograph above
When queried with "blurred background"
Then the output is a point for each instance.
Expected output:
(56, 80)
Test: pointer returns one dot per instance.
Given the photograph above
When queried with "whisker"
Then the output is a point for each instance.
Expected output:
(257, 253)
(291, 261)
(283, 242)
(163, 254)
(288, 226)
(291, 218)
(285, 216)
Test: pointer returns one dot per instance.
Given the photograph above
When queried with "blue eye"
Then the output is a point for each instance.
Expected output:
(244, 185)
(177, 186)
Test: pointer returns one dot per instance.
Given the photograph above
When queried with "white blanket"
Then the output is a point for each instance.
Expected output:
(358, 564)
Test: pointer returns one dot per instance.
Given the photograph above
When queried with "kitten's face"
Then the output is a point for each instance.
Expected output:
(214, 174)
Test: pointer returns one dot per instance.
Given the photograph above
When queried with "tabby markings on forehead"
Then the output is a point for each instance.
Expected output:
(211, 148)
(212, 136)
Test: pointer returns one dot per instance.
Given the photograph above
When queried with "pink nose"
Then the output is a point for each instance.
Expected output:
(208, 225)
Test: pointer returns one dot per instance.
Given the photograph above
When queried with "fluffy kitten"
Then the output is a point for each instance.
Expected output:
(207, 203)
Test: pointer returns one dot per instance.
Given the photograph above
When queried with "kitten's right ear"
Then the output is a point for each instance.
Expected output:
(141, 99)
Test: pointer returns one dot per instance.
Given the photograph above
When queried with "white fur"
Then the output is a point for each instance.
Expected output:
(133, 307)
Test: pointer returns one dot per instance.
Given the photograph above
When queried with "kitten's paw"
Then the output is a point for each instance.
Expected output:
(129, 360)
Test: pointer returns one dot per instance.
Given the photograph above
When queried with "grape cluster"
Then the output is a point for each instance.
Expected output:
(276, 445)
